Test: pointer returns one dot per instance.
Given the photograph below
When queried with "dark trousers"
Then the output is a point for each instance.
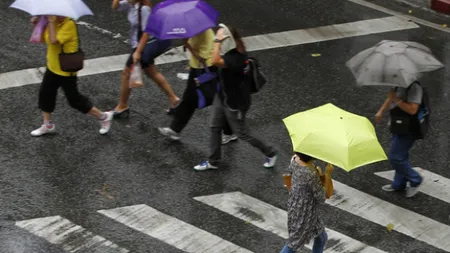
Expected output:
(49, 90)
(399, 159)
(236, 119)
(188, 105)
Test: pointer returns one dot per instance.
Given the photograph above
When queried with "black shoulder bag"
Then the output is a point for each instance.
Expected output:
(72, 62)
(403, 123)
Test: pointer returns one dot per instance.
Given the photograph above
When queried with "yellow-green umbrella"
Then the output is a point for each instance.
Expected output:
(333, 135)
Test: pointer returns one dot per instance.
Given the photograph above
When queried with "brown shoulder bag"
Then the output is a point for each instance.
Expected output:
(72, 62)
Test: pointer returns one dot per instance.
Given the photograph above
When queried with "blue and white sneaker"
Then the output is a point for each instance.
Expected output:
(205, 166)
(270, 161)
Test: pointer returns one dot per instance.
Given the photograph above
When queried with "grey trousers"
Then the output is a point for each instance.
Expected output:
(236, 120)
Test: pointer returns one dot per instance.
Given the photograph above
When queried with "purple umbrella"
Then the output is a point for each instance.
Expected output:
(180, 19)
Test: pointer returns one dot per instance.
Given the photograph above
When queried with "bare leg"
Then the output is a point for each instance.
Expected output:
(153, 73)
(96, 113)
(125, 91)
(47, 116)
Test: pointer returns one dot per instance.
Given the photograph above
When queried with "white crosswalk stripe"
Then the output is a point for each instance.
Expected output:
(68, 235)
(171, 230)
(383, 213)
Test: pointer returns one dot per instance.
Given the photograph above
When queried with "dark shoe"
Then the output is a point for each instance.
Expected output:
(125, 114)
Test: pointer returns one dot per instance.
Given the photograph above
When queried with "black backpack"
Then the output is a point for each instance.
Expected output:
(254, 77)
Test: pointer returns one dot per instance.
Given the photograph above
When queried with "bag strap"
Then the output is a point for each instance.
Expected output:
(78, 38)
(202, 61)
(140, 21)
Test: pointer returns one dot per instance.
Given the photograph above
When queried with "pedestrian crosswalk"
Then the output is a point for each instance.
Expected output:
(264, 216)
(170, 230)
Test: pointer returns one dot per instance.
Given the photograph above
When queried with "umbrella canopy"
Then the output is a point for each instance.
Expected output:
(179, 19)
(67, 8)
(392, 63)
(333, 135)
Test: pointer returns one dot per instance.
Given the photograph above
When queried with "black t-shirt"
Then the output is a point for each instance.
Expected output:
(234, 91)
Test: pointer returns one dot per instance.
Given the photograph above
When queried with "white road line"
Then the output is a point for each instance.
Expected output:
(433, 184)
(400, 15)
(69, 236)
(325, 33)
(258, 42)
(103, 31)
(170, 230)
(273, 219)
(381, 212)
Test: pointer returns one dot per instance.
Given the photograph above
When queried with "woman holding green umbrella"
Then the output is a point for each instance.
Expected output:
(315, 134)
(305, 197)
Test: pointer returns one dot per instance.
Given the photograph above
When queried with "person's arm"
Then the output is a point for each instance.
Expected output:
(140, 48)
(383, 108)
(115, 4)
(318, 190)
(409, 107)
(52, 31)
(217, 59)
(120, 5)
(148, 3)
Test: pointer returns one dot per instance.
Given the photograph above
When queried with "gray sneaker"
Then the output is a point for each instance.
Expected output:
(412, 191)
(227, 138)
(166, 131)
(388, 188)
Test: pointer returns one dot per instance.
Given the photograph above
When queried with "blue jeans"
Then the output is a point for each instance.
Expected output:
(318, 246)
(399, 159)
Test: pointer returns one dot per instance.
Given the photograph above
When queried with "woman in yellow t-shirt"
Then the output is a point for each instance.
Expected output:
(61, 32)
(200, 47)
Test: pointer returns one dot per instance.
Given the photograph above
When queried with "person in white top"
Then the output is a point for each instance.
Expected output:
(139, 12)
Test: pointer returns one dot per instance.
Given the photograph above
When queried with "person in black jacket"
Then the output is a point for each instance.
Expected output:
(233, 99)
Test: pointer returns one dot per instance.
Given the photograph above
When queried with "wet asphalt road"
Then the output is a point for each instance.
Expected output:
(61, 174)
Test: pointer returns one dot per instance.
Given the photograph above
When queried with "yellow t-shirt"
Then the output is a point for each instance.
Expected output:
(204, 44)
(66, 35)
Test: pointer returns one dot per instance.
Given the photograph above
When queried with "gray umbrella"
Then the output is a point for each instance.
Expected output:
(392, 63)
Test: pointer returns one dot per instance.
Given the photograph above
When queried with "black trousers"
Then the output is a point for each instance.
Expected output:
(49, 90)
(185, 110)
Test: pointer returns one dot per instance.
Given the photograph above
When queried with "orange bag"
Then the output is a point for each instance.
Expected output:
(326, 180)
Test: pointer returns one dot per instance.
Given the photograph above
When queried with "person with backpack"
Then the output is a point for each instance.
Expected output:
(409, 117)
(144, 50)
(200, 47)
(233, 99)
